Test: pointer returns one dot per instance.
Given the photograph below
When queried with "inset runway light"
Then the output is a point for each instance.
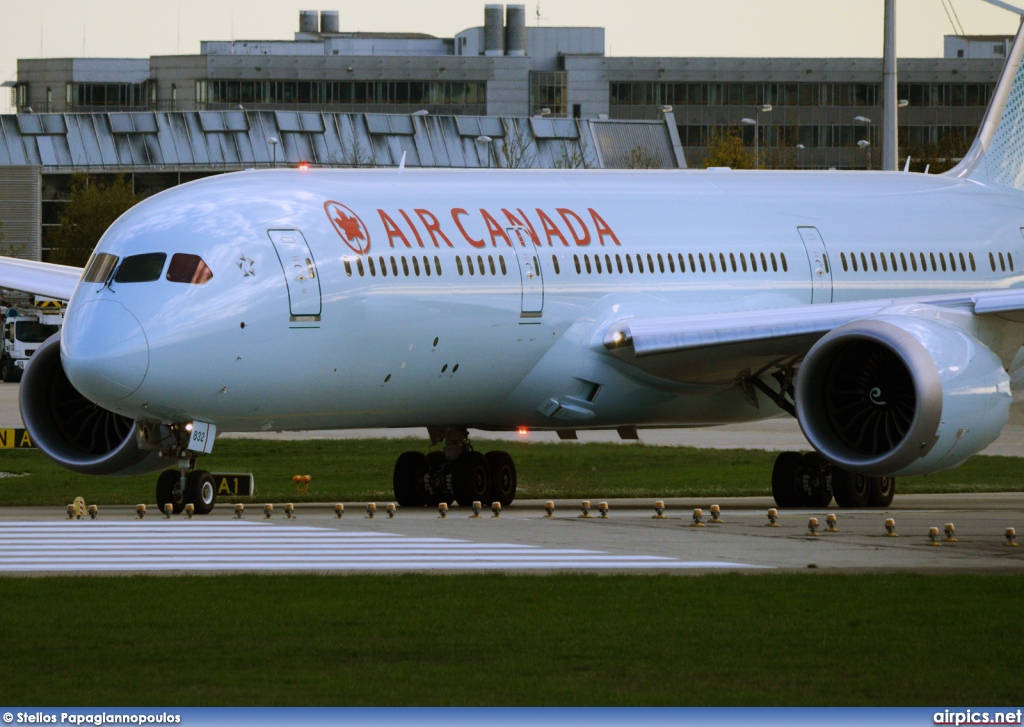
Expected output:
(371, 510)
(950, 533)
(830, 522)
(812, 527)
(773, 518)
(716, 514)
(289, 511)
(268, 511)
(1011, 538)
(549, 508)
(190, 510)
(140, 511)
(442, 509)
(602, 507)
(71, 511)
(339, 511)
(659, 510)
(239, 510)
(698, 518)
(168, 509)
(495, 509)
(476, 509)
(585, 509)
(890, 528)
(391, 509)
(93, 512)
(933, 536)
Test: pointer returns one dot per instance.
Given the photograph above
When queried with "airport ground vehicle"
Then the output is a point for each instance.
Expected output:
(27, 322)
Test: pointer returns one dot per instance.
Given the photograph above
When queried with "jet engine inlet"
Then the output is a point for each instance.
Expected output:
(71, 430)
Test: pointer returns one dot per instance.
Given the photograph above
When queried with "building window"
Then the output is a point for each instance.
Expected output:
(548, 90)
(107, 96)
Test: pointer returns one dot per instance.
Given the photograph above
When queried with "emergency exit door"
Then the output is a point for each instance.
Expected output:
(299, 272)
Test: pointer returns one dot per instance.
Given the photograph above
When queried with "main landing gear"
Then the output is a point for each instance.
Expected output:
(457, 474)
(809, 480)
(181, 487)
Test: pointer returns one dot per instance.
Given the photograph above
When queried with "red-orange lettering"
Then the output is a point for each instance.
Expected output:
(456, 213)
(432, 226)
(412, 227)
(550, 228)
(392, 229)
(494, 229)
(565, 214)
(524, 224)
(602, 227)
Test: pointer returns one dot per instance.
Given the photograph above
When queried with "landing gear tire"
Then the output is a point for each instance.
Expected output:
(850, 489)
(814, 486)
(436, 463)
(881, 491)
(502, 471)
(409, 466)
(201, 491)
(470, 478)
(165, 485)
(784, 479)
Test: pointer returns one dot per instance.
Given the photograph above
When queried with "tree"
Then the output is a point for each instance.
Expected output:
(92, 207)
(727, 150)
(938, 156)
(640, 157)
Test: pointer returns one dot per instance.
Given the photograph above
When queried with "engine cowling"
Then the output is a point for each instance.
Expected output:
(901, 394)
(70, 429)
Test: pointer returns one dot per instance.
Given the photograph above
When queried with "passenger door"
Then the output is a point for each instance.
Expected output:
(300, 272)
(821, 272)
(532, 305)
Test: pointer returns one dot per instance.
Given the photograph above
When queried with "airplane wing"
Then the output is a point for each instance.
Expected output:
(29, 276)
(746, 343)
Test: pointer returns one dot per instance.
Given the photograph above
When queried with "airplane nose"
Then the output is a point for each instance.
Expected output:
(104, 350)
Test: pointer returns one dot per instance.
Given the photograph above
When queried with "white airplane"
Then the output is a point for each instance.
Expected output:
(885, 311)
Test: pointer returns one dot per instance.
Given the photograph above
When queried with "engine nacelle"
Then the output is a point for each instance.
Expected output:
(901, 394)
(70, 429)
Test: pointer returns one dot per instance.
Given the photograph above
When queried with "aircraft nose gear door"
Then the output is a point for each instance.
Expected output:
(299, 272)
(821, 273)
(533, 284)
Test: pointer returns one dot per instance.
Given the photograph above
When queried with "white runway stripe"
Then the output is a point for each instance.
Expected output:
(260, 546)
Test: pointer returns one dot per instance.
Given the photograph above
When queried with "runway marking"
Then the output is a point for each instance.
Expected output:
(252, 546)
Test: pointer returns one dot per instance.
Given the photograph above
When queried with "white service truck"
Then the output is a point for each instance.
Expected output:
(27, 322)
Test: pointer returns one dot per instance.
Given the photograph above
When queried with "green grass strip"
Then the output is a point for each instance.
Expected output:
(358, 470)
(511, 640)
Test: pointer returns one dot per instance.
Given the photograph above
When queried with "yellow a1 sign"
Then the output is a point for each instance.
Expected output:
(234, 484)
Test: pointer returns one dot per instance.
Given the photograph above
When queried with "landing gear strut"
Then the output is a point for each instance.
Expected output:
(458, 474)
(809, 480)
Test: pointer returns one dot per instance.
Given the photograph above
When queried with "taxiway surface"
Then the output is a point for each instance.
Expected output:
(37, 540)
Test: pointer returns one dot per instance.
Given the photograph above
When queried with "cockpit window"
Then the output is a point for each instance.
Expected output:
(190, 269)
(141, 268)
(99, 268)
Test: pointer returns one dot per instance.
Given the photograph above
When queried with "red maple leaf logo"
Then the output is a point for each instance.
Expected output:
(348, 226)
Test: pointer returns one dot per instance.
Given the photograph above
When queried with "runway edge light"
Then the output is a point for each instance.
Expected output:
(289, 511)
(476, 509)
(391, 509)
(168, 510)
(442, 509)
(659, 510)
(1011, 537)
(933, 536)
(950, 534)
(716, 514)
(239, 510)
(602, 507)
(371, 509)
(698, 518)
(830, 522)
(339, 511)
(549, 508)
(94, 510)
(268, 511)
(496, 509)
(773, 518)
(190, 510)
(140, 511)
(584, 509)
(890, 528)
(812, 527)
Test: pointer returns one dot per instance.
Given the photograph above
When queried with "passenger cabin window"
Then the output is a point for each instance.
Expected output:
(141, 268)
(191, 269)
(99, 268)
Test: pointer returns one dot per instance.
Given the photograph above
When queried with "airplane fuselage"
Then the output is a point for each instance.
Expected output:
(355, 298)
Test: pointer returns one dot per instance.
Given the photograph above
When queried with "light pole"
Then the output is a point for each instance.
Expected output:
(762, 109)
(273, 145)
(485, 141)
(863, 143)
(799, 155)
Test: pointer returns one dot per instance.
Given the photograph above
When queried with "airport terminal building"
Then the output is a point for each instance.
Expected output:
(501, 94)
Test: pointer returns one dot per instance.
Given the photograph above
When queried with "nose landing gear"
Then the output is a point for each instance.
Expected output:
(459, 473)
(181, 487)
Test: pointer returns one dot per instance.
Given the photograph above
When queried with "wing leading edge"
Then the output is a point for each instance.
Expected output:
(724, 347)
(47, 279)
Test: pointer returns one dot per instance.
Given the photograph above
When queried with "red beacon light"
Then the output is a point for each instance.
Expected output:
(522, 431)
(303, 166)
